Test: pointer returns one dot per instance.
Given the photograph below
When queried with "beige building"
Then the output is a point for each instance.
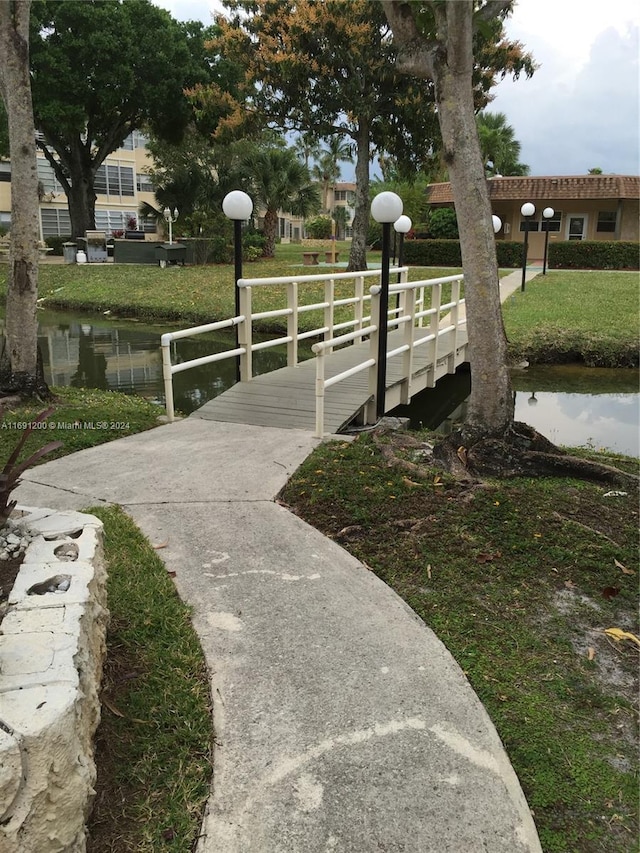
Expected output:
(121, 184)
(586, 207)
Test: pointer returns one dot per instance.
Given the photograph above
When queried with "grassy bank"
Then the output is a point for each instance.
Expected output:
(519, 580)
(589, 317)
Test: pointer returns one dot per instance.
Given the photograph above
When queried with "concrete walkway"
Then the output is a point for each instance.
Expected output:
(342, 723)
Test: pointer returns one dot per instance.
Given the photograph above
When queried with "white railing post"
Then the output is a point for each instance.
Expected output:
(245, 335)
(165, 342)
(329, 298)
(408, 303)
(455, 298)
(359, 304)
(292, 324)
(319, 392)
(372, 406)
(434, 323)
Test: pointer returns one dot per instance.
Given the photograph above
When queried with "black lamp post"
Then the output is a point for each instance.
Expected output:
(238, 207)
(386, 208)
(547, 213)
(527, 210)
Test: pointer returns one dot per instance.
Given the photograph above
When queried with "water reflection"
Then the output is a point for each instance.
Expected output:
(124, 355)
(569, 404)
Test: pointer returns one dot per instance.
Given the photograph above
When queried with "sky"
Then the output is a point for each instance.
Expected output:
(581, 109)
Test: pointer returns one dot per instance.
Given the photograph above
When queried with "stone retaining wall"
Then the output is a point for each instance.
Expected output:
(52, 649)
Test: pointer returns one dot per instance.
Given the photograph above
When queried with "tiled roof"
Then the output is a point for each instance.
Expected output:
(552, 187)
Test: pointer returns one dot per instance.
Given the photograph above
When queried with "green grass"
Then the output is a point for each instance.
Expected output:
(576, 316)
(514, 581)
(197, 294)
(81, 418)
(155, 737)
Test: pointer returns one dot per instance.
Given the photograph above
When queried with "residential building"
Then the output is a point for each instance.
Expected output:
(586, 207)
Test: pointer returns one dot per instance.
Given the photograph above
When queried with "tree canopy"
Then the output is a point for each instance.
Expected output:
(325, 68)
(100, 70)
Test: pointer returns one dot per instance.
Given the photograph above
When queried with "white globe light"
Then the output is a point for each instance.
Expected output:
(386, 207)
(402, 224)
(527, 209)
(497, 223)
(237, 205)
(548, 212)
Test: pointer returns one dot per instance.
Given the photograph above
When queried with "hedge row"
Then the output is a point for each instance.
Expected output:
(571, 254)
(594, 255)
(446, 253)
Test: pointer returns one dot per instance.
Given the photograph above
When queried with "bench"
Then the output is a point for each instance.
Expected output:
(329, 257)
(310, 259)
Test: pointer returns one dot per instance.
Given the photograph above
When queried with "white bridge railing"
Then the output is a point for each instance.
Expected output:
(408, 313)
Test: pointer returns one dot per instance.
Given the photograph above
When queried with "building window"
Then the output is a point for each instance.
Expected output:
(553, 223)
(5, 172)
(114, 181)
(56, 222)
(5, 220)
(143, 183)
(47, 178)
(606, 222)
(113, 220)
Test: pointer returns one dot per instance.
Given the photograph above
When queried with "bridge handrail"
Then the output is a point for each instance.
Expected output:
(303, 279)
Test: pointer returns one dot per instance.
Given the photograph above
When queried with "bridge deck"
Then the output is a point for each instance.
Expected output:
(286, 397)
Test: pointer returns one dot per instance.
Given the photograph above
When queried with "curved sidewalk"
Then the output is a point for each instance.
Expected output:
(342, 723)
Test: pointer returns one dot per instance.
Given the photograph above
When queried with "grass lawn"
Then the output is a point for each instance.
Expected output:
(193, 295)
(569, 316)
(519, 579)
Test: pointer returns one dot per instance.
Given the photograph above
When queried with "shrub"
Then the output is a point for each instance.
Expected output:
(446, 253)
(55, 243)
(318, 228)
(443, 224)
(252, 239)
(594, 255)
(208, 250)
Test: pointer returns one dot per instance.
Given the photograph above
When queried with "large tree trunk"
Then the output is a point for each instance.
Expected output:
(358, 252)
(491, 403)
(446, 57)
(75, 170)
(22, 291)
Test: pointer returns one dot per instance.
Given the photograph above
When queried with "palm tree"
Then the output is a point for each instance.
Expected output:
(500, 149)
(307, 147)
(327, 169)
(280, 182)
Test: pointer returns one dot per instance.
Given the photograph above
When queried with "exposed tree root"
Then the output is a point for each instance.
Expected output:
(522, 452)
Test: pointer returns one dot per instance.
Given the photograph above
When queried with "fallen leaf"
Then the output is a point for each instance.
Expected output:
(462, 454)
(488, 558)
(429, 570)
(570, 585)
(117, 712)
(618, 635)
(437, 480)
(161, 545)
(623, 569)
(410, 483)
(591, 653)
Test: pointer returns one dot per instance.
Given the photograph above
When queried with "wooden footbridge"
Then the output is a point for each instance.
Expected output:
(427, 338)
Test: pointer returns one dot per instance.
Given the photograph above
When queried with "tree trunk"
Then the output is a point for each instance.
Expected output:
(491, 402)
(358, 252)
(81, 193)
(270, 232)
(22, 290)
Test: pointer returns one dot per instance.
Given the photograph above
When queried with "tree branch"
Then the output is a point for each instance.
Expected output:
(415, 50)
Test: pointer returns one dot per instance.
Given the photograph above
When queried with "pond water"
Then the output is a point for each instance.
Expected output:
(571, 405)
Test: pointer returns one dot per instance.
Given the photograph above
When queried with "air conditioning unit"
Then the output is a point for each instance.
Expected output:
(507, 228)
